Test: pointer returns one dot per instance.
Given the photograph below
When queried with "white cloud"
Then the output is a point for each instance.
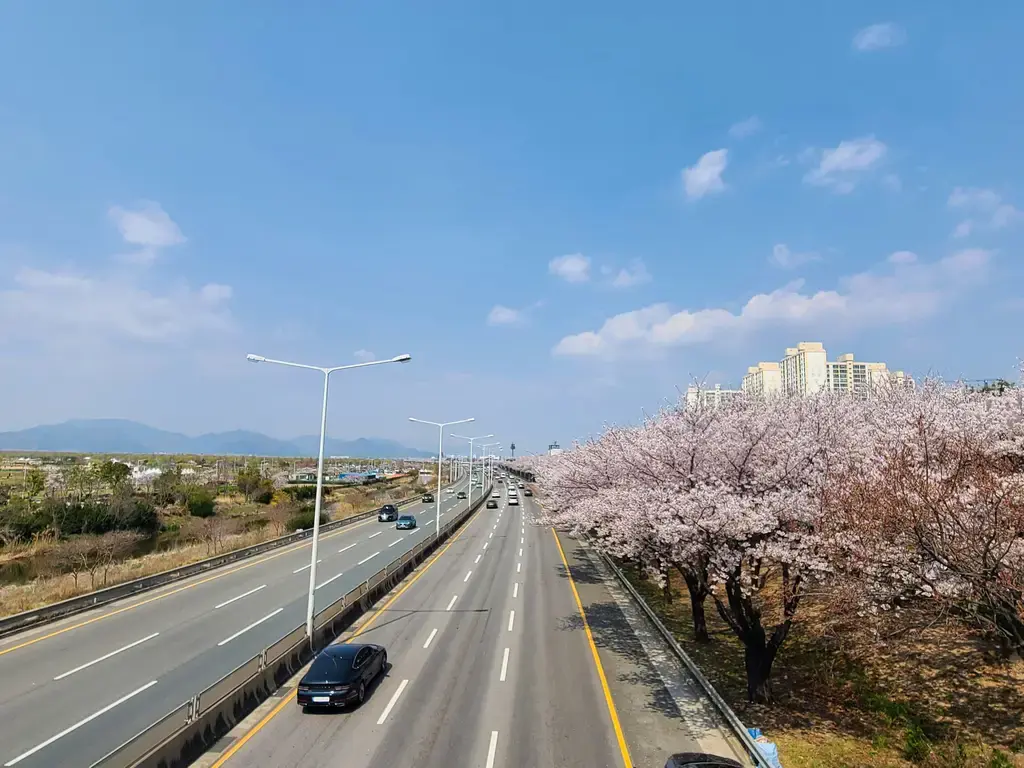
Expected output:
(705, 177)
(842, 167)
(986, 209)
(148, 226)
(44, 307)
(745, 128)
(501, 315)
(635, 274)
(904, 291)
(785, 258)
(877, 36)
(573, 268)
(363, 355)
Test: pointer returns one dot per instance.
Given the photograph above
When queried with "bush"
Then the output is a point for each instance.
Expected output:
(302, 492)
(303, 519)
(264, 494)
(200, 503)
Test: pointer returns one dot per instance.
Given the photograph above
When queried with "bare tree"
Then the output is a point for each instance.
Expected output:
(114, 548)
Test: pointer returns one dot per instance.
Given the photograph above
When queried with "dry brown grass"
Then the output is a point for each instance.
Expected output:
(936, 698)
(15, 598)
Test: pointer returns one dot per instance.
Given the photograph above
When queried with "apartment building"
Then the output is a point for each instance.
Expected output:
(805, 370)
(763, 380)
(710, 396)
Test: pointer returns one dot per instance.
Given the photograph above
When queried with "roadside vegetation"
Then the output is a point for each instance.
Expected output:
(849, 572)
(70, 525)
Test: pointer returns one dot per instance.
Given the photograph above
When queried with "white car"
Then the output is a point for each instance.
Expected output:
(513, 501)
(496, 495)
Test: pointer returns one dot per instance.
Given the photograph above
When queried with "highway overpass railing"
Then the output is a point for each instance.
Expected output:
(50, 613)
(183, 734)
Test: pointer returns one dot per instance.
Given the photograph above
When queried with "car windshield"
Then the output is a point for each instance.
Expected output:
(406, 518)
(330, 668)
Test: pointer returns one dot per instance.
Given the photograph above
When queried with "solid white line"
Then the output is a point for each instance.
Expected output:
(504, 666)
(477, 559)
(104, 658)
(254, 624)
(511, 619)
(515, 590)
(378, 533)
(79, 724)
(519, 567)
(396, 541)
(432, 633)
(452, 602)
(345, 549)
(492, 749)
(520, 551)
(299, 570)
(239, 597)
(368, 559)
(325, 583)
(468, 574)
(391, 704)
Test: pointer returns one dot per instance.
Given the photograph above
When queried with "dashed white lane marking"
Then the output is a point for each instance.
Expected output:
(78, 725)
(305, 567)
(511, 620)
(468, 574)
(391, 704)
(492, 749)
(325, 583)
(504, 666)
(256, 623)
(373, 535)
(477, 559)
(239, 597)
(345, 549)
(368, 559)
(452, 602)
(520, 551)
(515, 590)
(396, 541)
(519, 567)
(105, 657)
(433, 632)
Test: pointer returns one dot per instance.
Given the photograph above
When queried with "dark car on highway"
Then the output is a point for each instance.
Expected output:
(492, 504)
(406, 523)
(700, 760)
(428, 498)
(388, 514)
(341, 674)
(527, 492)
(460, 495)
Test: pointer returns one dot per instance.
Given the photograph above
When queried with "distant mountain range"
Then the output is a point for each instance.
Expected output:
(124, 436)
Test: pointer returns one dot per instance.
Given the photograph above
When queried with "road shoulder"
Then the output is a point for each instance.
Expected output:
(661, 708)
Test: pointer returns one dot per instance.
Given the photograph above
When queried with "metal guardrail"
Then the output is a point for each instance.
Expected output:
(50, 613)
(735, 724)
(208, 715)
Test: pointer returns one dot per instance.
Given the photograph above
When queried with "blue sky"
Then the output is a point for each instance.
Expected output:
(562, 211)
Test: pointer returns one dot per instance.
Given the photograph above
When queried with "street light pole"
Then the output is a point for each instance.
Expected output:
(440, 446)
(320, 460)
(489, 465)
(471, 439)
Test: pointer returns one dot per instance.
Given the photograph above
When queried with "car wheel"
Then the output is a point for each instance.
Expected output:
(362, 692)
(384, 663)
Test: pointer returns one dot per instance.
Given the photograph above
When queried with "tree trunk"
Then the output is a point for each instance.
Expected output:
(698, 593)
(758, 659)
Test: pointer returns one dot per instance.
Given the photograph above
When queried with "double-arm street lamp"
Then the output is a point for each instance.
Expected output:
(489, 465)
(471, 439)
(440, 446)
(320, 460)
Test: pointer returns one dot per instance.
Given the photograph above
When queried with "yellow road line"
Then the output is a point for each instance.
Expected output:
(612, 713)
(283, 551)
(365, 626)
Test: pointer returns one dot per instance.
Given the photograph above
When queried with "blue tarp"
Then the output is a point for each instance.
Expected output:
(768, 749)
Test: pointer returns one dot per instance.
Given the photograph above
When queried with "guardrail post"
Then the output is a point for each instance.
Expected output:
(193, 710)
(263, 659)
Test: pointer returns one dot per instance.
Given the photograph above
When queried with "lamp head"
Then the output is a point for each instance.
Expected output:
(256, 358)
(401, 359)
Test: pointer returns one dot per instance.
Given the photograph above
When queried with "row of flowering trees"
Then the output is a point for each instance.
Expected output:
(909, 505)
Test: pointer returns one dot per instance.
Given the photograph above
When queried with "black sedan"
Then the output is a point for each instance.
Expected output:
(428, 498)
(700, 760)
(460, 495)
(340, 675)
(492, 504)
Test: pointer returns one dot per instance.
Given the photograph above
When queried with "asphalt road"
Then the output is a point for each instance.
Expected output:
(74, 690)
(489, 666)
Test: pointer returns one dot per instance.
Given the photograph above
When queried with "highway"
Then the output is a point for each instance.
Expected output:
(491, 665)
(76, 689)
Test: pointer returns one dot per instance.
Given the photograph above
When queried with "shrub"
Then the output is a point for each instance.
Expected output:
(200, 503)
(303, 519)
